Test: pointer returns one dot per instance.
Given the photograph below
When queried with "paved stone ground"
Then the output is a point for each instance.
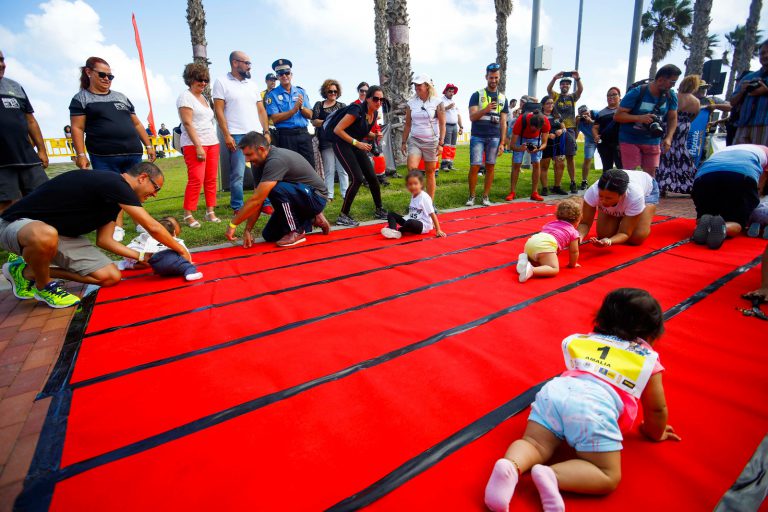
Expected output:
(31, 336)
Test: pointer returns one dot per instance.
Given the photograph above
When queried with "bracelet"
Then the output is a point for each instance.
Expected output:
(141, 255)
(233, 226)
(610, 242)
(80, 154)
(354, 142)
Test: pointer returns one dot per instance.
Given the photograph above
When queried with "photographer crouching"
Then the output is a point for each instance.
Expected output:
(642, 113)
(751, 101)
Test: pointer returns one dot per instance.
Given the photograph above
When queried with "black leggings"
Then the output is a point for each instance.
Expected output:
(358, 166)
(610, 156)
(408, 225)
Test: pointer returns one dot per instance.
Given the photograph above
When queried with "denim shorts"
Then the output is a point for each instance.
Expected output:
(582, 411)
(589, 148)
(654, 196)
(517, 156)
(480, 145)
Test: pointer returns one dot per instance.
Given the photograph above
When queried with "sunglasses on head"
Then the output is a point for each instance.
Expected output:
(493, 67)
(103, 74)
(283, 72)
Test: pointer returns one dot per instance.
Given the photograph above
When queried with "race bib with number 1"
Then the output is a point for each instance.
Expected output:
(626, 365)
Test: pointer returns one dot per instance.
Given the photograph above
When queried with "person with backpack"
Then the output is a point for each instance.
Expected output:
(530, 134)
(642, 114)
(605, 131)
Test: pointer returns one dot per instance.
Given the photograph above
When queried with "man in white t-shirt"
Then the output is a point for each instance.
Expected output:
(453, 127)
(626, 202)
(237, 103)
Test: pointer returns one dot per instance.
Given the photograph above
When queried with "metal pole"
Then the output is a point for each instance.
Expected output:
(536, 9)
(578, 35)
(634, 42)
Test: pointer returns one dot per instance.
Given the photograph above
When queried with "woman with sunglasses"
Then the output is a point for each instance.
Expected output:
(330, 91)
(199, 144)
(606, 132)
(424, 130)
(349, 127)
(104, 123)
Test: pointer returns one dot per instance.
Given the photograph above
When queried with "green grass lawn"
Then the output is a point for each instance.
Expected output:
(452, 192)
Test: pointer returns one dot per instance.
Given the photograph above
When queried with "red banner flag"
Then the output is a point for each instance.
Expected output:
(150, 117)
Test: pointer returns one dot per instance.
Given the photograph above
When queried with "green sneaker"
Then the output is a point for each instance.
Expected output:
(22, 288)
(55, 296)
(12, 256)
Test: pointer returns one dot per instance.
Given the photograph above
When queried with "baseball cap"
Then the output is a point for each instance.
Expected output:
(421, 78)
(270, 76)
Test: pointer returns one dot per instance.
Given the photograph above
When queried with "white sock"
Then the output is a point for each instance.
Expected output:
(194, 277)
(522, 262)
(527, 273)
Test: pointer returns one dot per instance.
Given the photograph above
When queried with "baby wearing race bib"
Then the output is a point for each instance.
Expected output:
(609, 373)
(162, 260)
(422, 217)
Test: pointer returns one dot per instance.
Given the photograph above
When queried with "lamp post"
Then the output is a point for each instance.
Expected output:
(634, 43)
(536, 10)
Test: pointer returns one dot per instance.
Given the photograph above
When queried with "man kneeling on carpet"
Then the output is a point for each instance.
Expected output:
(293, 187)
(159, 258)
(540, 254)
(47, 229)
(591, 405)
(421, 212)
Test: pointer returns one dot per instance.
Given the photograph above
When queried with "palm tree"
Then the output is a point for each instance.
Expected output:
(399, 60)
(698, 37)
(196, 21)
(713, 41)
(503, 10)
(663, 24)
(743, 53)
(382, 42)
(731, 54)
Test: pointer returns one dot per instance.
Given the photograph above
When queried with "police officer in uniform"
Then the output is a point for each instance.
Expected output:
(271, 81)
(287, 107)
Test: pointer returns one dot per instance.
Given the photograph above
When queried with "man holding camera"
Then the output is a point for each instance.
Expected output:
(751, 99)
(641, 113)
(530, 134)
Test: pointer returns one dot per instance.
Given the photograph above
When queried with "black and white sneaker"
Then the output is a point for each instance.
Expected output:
(702, 229)
(716, 235)
(346, 220)
(574, 189)
(584, 185)
(380, 214)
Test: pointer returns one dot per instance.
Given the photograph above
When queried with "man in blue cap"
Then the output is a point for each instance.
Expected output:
(271, 81)
(287, 108)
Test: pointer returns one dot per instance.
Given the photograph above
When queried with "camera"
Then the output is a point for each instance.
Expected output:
(654, 127)
(531, 107)
(753, 85)
(375, 147)
(531, 146)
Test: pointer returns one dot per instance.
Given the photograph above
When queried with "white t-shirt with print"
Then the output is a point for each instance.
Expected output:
(420, 209)
(240, 99)
(424, 114)
(631, 203)
(202, 120)
(452, 115)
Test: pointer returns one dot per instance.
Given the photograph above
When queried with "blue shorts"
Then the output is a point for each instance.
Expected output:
(115, 163)
(582, 411)
(654, 196)
(480, 145)
(517, 156)
(589, 148)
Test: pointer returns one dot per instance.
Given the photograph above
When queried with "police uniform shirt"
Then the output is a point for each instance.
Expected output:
(279, 100)
(15, 149)
(109, 128)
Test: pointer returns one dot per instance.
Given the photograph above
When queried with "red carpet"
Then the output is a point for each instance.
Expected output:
(354, 371)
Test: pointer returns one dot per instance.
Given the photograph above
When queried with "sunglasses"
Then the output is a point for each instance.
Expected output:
(103, 74)
(362, 91)
(157, 187)
(493, 67)
(333, 91)
(283, 73)
(612, 95)
(377, 99)
(202, 80)
(246, 62)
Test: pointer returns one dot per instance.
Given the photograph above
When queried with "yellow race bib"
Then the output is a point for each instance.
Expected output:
(626, 365)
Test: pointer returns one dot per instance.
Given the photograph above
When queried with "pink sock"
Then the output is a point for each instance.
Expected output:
(546, 483)
(501, 486)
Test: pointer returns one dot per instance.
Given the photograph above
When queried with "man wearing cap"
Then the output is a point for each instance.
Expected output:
(565, 104)
(453, 127)
(488, 110)
(270, 80)
(238, 106)
(584, 125)
(287, 109)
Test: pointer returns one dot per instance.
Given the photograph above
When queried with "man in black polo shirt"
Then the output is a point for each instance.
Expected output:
(21, 167)
(47, 228)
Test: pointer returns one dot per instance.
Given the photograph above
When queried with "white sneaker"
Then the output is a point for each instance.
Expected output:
(194, 277)
(522, 263)
(486, 201)
(470, 201)
(119, 234)
(391, 233)
(527, 273)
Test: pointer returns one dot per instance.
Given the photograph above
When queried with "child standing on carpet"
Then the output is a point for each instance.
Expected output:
(590, 405)
(421, 212)
(540, 254)
(162, 260)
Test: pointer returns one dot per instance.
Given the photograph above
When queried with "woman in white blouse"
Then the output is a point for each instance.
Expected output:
(199, 144)
(424, 130)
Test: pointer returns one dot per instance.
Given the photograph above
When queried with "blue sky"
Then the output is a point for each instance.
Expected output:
(44, 42)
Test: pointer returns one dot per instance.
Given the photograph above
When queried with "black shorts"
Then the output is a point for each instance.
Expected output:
(18, 181)
(730, 195)
(562, 145)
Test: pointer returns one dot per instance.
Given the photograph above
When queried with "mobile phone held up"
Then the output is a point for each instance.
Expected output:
(567, 74)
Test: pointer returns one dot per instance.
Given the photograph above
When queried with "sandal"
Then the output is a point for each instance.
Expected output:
(211, 217)
(193, 224)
